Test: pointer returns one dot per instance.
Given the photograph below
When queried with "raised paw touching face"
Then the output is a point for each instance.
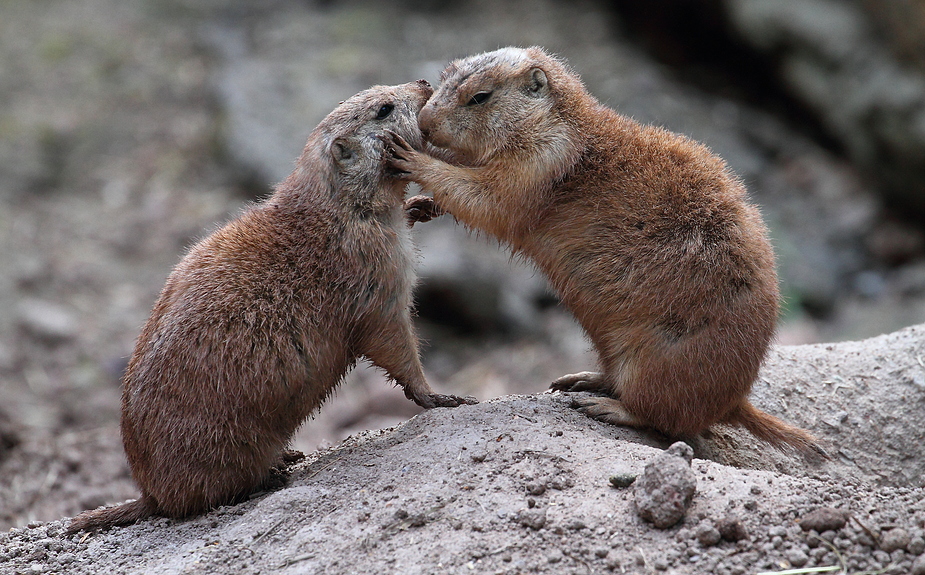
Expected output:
(403, 159)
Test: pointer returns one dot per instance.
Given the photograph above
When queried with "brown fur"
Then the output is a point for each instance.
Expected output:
(262, 319)
(645, 234)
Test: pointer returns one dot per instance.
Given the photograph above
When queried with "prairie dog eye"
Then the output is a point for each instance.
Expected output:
(384, 111)
(479, 98)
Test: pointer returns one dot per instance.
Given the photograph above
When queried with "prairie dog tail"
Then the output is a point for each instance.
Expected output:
(124, 514)
(779, 434)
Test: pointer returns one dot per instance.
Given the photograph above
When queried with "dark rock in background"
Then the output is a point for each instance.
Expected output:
(848, 73)
(829, 55)
(278, 71)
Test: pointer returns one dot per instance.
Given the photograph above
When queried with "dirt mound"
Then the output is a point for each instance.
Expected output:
(523, 484)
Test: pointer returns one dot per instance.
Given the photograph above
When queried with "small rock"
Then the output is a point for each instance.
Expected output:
(559, 482)
(894, 539)
(824, 519)
(918, 566)
(897, 557)
(796, 557)
(863, 538)
(666, 488)
(731, 529)
(777, 531)
(682, 450)
(478, 456)
(622, 480)
(533, 518)
(916, 545)
(918, 380)
(536, 488)
(66, 558)
(707, 534)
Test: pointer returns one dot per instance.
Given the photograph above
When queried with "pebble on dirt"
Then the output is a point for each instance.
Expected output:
(666, 487)
(731, 529)
(622, 480)
(918, 566)
(707, 534)
(824, 519)
(895, 539)
(533, 518)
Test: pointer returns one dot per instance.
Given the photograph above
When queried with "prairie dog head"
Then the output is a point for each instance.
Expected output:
(348, 147)
(506, 99)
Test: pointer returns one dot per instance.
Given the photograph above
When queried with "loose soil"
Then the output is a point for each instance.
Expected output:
(522, 484)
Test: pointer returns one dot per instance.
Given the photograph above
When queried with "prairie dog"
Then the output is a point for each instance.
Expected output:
(262, 319)
(646, 235)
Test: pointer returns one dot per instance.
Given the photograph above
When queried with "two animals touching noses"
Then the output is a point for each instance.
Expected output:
(646, 236)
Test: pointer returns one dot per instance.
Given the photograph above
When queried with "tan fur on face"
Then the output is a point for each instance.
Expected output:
(646, 235)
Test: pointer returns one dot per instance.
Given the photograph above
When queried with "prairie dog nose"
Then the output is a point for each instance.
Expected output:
(426, 119)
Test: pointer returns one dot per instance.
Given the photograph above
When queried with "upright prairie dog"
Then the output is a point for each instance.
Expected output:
(645, 234)
(262, 319)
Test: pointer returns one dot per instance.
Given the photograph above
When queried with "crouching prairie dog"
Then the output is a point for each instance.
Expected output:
(261, 320)
(645, 235)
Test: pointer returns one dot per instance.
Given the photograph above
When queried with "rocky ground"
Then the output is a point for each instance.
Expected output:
(129, 129)
(525, 484)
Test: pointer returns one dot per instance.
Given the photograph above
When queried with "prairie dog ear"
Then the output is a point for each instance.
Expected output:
(342, 151)
(538, 85)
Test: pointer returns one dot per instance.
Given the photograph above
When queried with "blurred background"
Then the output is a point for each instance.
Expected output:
(131, 128)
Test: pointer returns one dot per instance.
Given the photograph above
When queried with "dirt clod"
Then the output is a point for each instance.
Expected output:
(666, 488)
(622, 480)
(707, 534)
(918, 566)
(796, 557)
(824, 519)
(731, 529)
(916, 545)
(533, 518)
(536, 488)
(895, 539)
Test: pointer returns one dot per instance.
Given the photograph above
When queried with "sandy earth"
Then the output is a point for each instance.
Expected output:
(522, 484)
